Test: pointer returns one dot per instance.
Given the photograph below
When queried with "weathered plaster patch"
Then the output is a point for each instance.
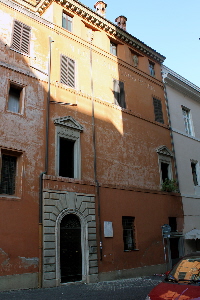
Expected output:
(29, 261)
(4, 259)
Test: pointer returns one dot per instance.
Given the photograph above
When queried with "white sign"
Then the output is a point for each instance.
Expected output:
(108, 229)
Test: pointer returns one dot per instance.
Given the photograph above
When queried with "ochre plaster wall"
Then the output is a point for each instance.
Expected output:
(126, 139)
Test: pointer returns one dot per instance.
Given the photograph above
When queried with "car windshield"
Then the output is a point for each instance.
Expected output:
(187, 270)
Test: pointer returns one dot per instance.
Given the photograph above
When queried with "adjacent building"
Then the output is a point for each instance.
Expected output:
(85, 148)
(183, 99)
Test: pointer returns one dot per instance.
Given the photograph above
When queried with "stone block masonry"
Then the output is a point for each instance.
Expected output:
(56, 205)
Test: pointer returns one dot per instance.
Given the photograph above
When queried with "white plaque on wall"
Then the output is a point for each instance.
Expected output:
(108, 229)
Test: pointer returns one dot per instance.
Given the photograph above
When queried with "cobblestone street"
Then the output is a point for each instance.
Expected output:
(126, 289)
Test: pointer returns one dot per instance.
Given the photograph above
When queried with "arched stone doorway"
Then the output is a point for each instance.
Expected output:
(58, 205)
(70, 249)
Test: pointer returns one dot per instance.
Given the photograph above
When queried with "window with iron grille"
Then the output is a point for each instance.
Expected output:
(158, 110)
(21, 37)
(67, 21)
(119, 93)
(8, 174)
(67, 71)
(128, 233)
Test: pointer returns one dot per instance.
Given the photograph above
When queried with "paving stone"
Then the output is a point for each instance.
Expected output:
(125, 289)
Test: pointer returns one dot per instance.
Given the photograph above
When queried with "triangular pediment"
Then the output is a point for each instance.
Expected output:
(69, 122)
(163, 150)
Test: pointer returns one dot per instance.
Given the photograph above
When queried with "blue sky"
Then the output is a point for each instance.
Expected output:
(170, 27)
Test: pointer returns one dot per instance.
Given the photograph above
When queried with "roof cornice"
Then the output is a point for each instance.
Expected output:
(103, 24)
(181, 84)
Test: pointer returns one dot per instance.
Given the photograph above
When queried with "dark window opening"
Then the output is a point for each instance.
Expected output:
(158, 110)
(21, 37)
(14, 98)
(173, 224)
(66, 158)
(164, 171)
(119, 93)
(67, 71)
(8, 174)
(128, 233)
(194, 173)
(67, 22)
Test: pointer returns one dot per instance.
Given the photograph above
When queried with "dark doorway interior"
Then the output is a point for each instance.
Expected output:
(174, 248)
(70, 249)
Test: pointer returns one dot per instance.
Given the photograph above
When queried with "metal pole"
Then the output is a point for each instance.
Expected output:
(95, 158)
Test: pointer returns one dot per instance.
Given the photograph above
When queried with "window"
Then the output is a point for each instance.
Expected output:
(67, 71)
(135, 60)
(164, 170)
(15, 98)
(21, 37)
(68, 154)
(151, 69)
(8, 174)
(165, 163)
(113, 48)
(158, 110)
(173, 224)
(194, 172)
(67, 21)
(128, 233)
(119, 93)
(187, 120)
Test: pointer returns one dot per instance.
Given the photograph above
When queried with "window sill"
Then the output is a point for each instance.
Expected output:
(9, 197)
(131, 250)
(20, 52)
(15, 113)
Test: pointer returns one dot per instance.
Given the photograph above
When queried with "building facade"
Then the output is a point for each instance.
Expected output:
(183, 101)
(85, 120)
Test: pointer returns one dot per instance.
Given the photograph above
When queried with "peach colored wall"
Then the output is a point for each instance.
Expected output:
(151, 211)
(23, 134)
(126, 139)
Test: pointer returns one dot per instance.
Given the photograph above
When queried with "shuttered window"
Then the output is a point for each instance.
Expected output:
(158, 110)
(67, 71)
(21, 37)
(119, 93)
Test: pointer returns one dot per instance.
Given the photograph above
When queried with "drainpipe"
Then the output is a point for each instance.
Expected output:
(97, 194)
(171, 131)
(45, 172)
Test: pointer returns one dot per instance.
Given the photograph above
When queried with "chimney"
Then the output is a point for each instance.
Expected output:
(121, 22)
(101, 8)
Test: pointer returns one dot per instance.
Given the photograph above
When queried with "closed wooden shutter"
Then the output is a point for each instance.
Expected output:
(67, 71)
(158, 110)
(21, 37)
